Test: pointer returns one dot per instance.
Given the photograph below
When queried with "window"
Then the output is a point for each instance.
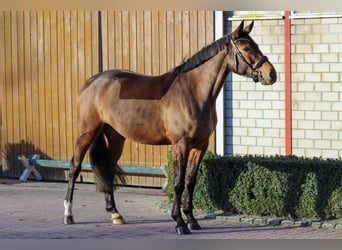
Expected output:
(314, 14)
(254, 15)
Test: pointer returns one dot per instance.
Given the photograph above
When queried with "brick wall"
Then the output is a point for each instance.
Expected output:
(317, 84)
(255, 114)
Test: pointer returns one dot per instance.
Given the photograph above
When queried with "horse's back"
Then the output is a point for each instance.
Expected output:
(132, 85)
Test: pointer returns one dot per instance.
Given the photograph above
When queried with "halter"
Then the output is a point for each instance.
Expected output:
(253, 68)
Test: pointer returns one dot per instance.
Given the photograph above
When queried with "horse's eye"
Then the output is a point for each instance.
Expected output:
(246, 49)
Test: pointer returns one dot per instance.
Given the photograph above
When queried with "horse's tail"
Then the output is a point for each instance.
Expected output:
(106, 173)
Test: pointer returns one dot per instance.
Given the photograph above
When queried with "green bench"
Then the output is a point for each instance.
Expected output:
(30, 163)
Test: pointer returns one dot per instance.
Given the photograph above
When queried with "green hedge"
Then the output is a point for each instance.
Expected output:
(282, 186)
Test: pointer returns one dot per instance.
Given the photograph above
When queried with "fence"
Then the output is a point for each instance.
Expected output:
(47, 57)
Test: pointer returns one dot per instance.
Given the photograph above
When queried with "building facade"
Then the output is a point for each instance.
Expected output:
(48, 55)
(255, 115)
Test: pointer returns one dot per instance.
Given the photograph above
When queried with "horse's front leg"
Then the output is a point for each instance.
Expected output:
(179, 157)
(194, 161)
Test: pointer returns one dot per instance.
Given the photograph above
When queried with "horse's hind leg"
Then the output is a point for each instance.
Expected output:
(115, 148)
(81, 147)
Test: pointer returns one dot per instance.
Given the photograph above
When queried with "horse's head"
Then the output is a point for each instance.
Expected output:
(246, 57)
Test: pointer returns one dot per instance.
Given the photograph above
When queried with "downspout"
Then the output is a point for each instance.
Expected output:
(100, 40)
(219, 131)
(288, 90)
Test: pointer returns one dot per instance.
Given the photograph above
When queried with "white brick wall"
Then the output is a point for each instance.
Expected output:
(317, 99)
(257, 122)
(255, 116)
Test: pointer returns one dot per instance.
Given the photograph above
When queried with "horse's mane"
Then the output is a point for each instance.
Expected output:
(202, 56)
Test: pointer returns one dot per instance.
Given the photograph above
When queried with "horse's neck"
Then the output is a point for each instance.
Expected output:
(211, 76)
(221, 78)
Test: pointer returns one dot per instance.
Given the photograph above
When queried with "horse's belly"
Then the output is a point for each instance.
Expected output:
(146, 131)
(144, 135)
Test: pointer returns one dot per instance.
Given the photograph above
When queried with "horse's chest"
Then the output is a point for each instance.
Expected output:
(192, 123)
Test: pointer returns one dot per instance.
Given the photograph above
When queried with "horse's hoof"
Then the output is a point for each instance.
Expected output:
(182, 230)
(194, 226)
(117, 219)
(68, 220)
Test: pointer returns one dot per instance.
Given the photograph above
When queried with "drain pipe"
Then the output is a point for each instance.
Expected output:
(220, 127)
(288, 89)
(99, 15)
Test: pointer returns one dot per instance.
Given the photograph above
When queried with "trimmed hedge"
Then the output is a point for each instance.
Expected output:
(282, 186)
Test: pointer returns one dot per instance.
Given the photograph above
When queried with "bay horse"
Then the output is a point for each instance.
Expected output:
(176, 108)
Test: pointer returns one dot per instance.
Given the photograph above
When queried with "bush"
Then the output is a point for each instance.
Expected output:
(259, 191)
(307, 205)
(285, 186)
(216, 177)
(334, 207)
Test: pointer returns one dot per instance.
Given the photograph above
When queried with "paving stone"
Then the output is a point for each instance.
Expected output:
(34, 210)
(274, 221)
(302, 223)
(210, 216)
(260, 221)
(231, 218)
(328, 225)
(287, 222)
(316, 224)
(248, 220)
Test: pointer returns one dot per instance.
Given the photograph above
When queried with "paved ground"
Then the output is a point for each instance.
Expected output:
(34, 210)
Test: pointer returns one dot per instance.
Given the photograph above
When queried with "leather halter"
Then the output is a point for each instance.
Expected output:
(253, 68)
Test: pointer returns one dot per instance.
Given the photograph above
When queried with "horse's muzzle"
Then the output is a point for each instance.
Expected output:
(265, 77)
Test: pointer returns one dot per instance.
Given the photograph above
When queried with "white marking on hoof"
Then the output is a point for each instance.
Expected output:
(117, 219)
(67, 209)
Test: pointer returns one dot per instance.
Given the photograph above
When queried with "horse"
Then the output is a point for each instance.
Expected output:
(176, 108)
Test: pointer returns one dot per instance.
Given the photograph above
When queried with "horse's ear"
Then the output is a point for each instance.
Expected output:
(238, 31)
(249, 28)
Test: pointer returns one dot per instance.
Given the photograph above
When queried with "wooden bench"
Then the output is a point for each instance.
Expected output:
(30, 163)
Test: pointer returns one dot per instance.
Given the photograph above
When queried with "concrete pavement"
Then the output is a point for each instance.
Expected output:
(34, 210)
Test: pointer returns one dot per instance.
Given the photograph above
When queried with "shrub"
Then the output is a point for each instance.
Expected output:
(307, 206)
(213, 183)
(334, 207)
(259, 191)
(287, 186)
